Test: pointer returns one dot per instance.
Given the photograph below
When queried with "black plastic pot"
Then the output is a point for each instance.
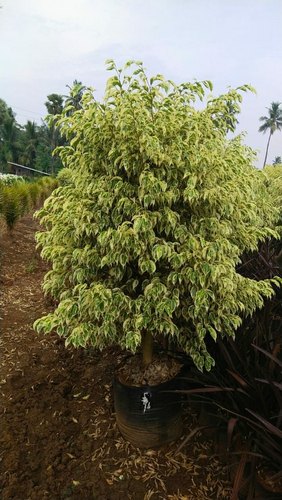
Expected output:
(148, 416)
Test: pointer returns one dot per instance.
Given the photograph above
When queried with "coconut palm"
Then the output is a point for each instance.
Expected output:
(277, 160)
(30, 142)
(271, 122)
(76, 93)
(9, 140)
(54, 104)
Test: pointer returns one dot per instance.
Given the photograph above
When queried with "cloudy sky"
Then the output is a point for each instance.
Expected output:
(46, 44)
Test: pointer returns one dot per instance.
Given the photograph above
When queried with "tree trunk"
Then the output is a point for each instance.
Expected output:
(266, 153)
(147, 348)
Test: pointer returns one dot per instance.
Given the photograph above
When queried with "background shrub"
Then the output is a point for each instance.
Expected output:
(17, 198)
(10, 179)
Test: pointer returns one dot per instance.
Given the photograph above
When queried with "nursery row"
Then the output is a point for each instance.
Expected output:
(17, 197)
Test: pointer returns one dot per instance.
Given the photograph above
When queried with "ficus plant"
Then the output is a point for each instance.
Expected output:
(145, 236)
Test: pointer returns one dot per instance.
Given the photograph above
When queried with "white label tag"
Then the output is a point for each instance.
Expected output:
(146, 401)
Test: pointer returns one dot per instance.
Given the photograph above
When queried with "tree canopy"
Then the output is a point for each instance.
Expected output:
(160, 205)
(31, 144)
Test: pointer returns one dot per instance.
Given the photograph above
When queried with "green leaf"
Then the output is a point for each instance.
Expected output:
(158, 205)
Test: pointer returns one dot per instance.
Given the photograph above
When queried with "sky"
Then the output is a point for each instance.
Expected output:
(46, 44)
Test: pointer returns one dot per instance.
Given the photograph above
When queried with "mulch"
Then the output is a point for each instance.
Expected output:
(58, 435)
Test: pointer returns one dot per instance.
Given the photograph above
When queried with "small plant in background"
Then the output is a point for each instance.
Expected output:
(10, 179)
(277, 161)
(32, 265)
(17, 198)
(34, 190)
(11, 205)
(1, 199)
(24, 198)
(46, 185)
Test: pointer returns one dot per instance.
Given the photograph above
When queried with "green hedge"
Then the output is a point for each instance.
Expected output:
(19, 198)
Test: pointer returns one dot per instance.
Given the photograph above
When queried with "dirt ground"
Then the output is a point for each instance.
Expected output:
(58, 436)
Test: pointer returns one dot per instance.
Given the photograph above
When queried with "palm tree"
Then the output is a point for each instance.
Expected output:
(9, 140)
(277, 160)
(272, 122)
(54, 104)
(30, 142)
(76, 93)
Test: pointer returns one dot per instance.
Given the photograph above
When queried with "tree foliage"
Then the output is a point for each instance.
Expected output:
(75, 95)
(54, 104)
(159, 206)
(9, 134)
(277, 160)
(30, 141)
(32, 145)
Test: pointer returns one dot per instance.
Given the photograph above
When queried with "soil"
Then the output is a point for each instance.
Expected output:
(162, 369)
(58, 435)
(265, 478)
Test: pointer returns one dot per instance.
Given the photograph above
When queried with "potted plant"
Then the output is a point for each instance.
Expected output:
(145, 237)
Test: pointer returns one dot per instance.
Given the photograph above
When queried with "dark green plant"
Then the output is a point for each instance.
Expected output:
(30, 141)
(9, 135)
(48, 140)
(54, 107)
(277, 160)
(74, 99)
(11, 205)
(9, 141)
